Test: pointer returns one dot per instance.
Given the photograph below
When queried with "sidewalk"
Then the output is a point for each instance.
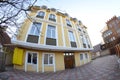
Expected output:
(104, 68)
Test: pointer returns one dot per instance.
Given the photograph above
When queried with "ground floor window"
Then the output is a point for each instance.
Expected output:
(32, 58)
(86, 56)
(48, 59)
(81, 56)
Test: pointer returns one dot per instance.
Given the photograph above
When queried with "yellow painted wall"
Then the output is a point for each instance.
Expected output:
(43, 31)
(40, 61)
(77, 59)
(31, 67)
(59, 29)
(24, 29)
(48, 68)
(67, 42)
(79, 62)
(59, 61)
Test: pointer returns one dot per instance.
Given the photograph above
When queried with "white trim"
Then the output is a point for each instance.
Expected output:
(30, 29)
(42, 62)
(37, 62)
(43, 65)
(56, 36)
(45, 33)
(73, 37)
(46, 47)
(42, 11)
(76, 31)
(26, 63)
(54, 63)
(55, 17)
(63, 36)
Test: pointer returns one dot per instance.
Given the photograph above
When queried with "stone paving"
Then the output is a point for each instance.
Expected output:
(104, 68)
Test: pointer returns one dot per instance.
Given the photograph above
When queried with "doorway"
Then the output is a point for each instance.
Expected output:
(69, 60)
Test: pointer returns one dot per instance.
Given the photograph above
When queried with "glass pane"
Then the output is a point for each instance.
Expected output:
(71, 36)
(34, 60)
(48, 32)
(86, 56)
(37, 28)
(50, 58)
(51, 32)
(29, 58)
(81, 56)
(32, 29)
(45, 58)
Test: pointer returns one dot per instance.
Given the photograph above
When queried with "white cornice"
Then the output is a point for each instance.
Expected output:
(46, 47)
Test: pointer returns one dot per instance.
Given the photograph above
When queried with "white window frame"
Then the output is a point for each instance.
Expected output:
(43, 65)
(86, 56)
(52, 16)
(82, 56)
(41, 13)
(71, 36)
(35, 29)
(49, 59)
(26, 61)
(51, 30)
(68, 22)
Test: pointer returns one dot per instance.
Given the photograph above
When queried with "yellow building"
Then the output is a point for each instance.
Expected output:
(51, 40)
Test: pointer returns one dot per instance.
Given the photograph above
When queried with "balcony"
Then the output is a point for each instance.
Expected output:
(111, 44)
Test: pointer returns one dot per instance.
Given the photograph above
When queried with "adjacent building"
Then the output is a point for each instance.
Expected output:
(111, 35)
(51, 40)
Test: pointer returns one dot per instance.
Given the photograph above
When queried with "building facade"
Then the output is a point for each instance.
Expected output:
(111, 35)
(51, 40)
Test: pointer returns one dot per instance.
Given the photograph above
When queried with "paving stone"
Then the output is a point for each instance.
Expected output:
(104, 68)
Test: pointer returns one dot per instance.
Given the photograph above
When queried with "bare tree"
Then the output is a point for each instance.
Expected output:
(12, 11)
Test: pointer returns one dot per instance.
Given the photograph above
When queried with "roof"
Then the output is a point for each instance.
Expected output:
(97, 48)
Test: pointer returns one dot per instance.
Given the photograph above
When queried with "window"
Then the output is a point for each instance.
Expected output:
(52, 17)
(86, 56)
(72, 39)
(68, 23)
(48, 59)
(88, 42)
(81, 56)
(41, 14)
(34, 33)
(71, 36)
(79, 27)
(83, 41)
(32, 58)
(51, 33)
(35, 29)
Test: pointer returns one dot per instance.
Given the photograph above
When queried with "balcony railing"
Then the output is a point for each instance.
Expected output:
(111, 44)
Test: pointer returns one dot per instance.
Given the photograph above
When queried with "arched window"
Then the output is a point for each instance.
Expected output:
(68, 23)
(41, 14)
(52, 17)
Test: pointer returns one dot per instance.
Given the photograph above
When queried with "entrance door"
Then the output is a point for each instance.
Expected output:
(31, 61)
(69, 60)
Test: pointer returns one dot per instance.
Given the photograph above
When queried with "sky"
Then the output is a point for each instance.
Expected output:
(93, 13)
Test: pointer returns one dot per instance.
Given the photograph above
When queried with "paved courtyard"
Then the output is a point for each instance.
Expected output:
(104, 68)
